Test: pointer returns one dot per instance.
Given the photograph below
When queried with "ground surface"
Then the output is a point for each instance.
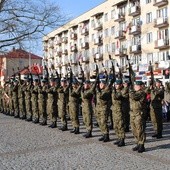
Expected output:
(28, 146)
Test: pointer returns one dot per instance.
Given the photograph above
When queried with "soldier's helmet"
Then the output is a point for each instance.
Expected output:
(118, 82)
(138, 83)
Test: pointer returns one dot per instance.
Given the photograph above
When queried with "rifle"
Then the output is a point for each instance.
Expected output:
(131, 73)
(82, 72)
(151, 72)
(120, 75)
(47, 73)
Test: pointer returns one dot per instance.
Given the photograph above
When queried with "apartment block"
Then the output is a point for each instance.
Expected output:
(138, 29)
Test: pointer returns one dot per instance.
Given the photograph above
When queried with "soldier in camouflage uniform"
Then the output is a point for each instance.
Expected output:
(137, 118)
(28, 104)
(52, 102)
(157, 95)
(34, 101)
(63, 94)
(1, 97)
(15, 98)
(42, 101)
(74, 98)
(126, 105)
(11, 103)
(103, 98)
(21, 98)
(118, 120)
(87, 108)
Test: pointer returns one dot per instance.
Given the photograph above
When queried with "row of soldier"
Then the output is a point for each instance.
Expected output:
(126, 106)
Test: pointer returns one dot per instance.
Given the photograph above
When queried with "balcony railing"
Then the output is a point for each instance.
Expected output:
(119, 17)
(98, 41)
(65, 52)
(134, 11)
(160, 3)
(73, 49)
(98, 26)
(85, 59)
(85, 45)
(58, 41)
(120, 51)
(65, 40)
(161, 43)
(135, 49)
(73, 36)
(135, 29)
(85, 31)
(98, 56)
(119, 34)
(51, 44)
(161, 22)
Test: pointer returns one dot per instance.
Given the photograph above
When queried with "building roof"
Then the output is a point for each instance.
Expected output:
(19, 53)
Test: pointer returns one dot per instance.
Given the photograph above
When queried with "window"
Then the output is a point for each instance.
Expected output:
(149, 17)
(92, 23)
(163, 56)
(106, 17)
(136, 59)
(150, 57)
(148, 1)
(113, 47)
(113, 30)
(92, 37)
(112, 14)
(107, 48)
(106, 32)
(162, 13)
(149, 37)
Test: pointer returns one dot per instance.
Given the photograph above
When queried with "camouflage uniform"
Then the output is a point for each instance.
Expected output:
(42, 102)
(21, 98)
(15, 100)
(74, 97)
(11, 103)
(118, 120)
(137, 120)
(157, 95)
(52, 103)
(28, 103)
(1, 99)
(102, 97)
(34, 101)
(63, 94)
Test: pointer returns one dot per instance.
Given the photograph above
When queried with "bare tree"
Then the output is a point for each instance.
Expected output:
(21, 20)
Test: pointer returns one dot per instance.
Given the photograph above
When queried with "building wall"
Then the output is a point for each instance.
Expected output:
(138, 29)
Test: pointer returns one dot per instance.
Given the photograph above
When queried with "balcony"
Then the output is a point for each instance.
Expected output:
(161, 22)
(45, 48)
(135, 49)
(160, 3)
(134, 11)
(162, 44)
(135, 29)
(64, 61)
(98, 26)
(73, 49)
(119, 35)
(58, 41)
(85, 45)
(119, 17)
(51, 45)
(99, 56)
(59, 52)
(65, 40)
(120, 52)
(73, 36)
(73, 59)
(85, 31)
(98, 41)
(65, 52)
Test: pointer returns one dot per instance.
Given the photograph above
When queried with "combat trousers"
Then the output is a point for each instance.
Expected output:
(138, 126)
(22, 110)
(52, 111)
(102, 116)
(62, 113)
(156, 118)
(118, 123)
(35, 112)
(16, 106)
(73, 108)
(87, 116)
(42, 110)
(28, 106)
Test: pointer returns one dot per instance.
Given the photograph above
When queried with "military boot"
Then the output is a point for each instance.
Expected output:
(43, 123)
(73, 130)
(159, 136)
(116, 142)
(77, 130)
(141, 148)
(53, 125)
(29, 119)
(88, 134)
(36, 121)
(135, 148)
(121, 143)
(106, 138)
(101, 138)
(63, 128)
(155, 135)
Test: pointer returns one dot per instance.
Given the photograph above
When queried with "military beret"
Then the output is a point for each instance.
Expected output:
(63, 79)
(15, 81)
(103, 81)
(138, 83)
(35, 80)
(118, 82)
(87, 82)
(158, 81)
(126, 81)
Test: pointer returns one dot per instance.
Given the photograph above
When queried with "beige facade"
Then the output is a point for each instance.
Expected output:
(137, 28)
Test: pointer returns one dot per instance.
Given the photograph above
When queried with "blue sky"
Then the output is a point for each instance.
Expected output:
(74, 8)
